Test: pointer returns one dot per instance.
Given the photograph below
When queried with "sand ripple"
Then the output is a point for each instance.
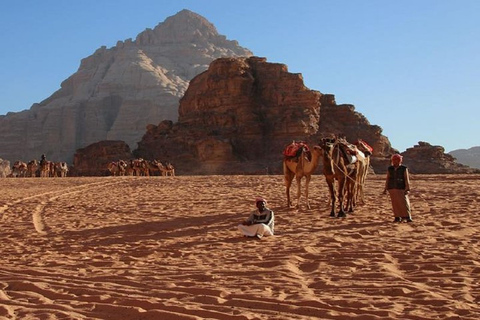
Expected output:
(168, 248)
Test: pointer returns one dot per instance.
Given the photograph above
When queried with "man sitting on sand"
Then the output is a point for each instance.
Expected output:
(260, 222)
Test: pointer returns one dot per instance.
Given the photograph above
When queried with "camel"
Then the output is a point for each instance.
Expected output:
(165, 170)
(32, 168)
(170, 169)
(363, 170)
(299, 167)
(152, 167)
(140, 167)
(61, 169)
(351, 185)
(46, 168)
(337, 167)
(19, 169)
(4, 168)
(129, 171)
(117, 168)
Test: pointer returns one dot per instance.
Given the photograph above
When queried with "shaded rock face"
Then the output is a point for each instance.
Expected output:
(93, 159)
(425, 158)
(469, 157)
(116, 92)
(239, 115)
(345, 121)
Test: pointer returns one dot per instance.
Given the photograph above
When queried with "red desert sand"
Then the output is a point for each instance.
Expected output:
(168, 248)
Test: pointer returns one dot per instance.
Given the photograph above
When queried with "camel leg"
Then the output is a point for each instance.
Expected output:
(352, 188)
(350, 196)
(299, 191)
(341, 186)
(331, 189)
(307, 182)
(288, 183)
(361, 192)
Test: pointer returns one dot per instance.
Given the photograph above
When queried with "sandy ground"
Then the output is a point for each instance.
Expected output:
(168, 248)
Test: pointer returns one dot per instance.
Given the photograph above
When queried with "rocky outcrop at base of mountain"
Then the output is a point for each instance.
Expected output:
(425, 158)
(117, 91)
(469, 157)
(238, 116)
(93, 159)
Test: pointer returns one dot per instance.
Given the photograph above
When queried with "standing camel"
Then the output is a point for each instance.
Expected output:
(363, 170)
(32, 167)
(299, 167)
(337, 167)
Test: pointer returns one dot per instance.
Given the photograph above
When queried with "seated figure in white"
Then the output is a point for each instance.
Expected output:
(260, 222)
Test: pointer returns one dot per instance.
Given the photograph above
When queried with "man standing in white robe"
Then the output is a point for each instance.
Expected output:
(260, 223)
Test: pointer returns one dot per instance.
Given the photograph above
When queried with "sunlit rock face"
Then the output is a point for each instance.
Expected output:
(118, 91)
(235, 118)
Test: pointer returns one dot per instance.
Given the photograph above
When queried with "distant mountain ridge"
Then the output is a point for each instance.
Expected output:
(469, 157)
(118, 91)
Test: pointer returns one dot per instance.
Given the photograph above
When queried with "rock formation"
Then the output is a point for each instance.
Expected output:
(425, 158)
(344, 120)
(117, 91)
(93, 159)
(236, 118)
(239, 115)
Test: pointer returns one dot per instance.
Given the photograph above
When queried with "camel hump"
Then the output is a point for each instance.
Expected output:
(294, 149)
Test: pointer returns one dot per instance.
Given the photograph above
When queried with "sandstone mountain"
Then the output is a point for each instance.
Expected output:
(239, 115)
(425, 158)
(117, 91)
(469, 157)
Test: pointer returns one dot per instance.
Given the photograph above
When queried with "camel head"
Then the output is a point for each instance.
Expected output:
(327, 144)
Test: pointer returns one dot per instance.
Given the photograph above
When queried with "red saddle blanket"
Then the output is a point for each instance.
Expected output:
(363, 146)
(295, 148)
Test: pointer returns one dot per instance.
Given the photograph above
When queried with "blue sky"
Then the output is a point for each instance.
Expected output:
(411, 66)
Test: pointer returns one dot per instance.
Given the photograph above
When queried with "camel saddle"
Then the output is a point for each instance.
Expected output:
(294, 150)
(364, 147)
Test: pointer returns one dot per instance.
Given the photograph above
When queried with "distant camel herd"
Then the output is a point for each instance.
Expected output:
(140, 167)
(44, 168)
(344, 164)
(33, 168)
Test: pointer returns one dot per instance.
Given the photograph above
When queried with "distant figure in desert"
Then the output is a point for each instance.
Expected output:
(398, 186)
(43, 158)
(260, 222)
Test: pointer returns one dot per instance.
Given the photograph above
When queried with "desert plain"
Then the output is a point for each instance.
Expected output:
(168, 248)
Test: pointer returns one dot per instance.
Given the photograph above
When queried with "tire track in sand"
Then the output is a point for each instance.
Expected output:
(39, 203)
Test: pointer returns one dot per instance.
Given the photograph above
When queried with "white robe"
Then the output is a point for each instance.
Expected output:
(253, 230)
(260, 224)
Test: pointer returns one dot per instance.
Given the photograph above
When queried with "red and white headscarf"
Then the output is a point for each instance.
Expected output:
(260, 199)
(397, 156)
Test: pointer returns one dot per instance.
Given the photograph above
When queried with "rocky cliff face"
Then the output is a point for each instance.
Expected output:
(239, 115)
(116, 92)
(425, 158)
(93, 159)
